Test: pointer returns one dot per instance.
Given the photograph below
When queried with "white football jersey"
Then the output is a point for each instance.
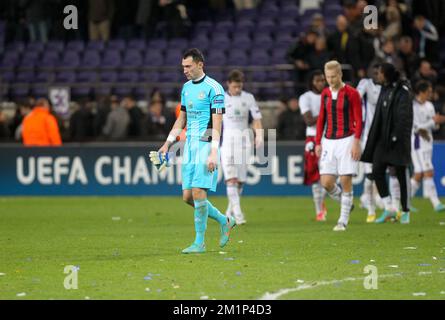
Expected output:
(369, 92)
(310, 101)
(423, 114)
(237, 110)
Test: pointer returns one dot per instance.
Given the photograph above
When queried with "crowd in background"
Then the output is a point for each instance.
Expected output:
(407, 37)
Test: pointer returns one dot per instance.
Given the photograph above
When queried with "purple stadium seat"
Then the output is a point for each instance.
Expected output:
(278, 56)
(7, 76)
(157, 44)
(149, 76)
(247, 15)
(86, 76)
(57, 46)
(259, 76)
(245, 24)
(237, 57)
(116, 45)
(35, 46)
(29, 59)
(177, 44)
(20, 92)
(39, 90)
(108, 76)
(16, 46)
(95, 45)
(216, 57)
(171, 76)
(132, 58)
(91, 59)
(111, 59)
(70, 59)
(127, 77)
(44, 76)
(173, 58)
(259, 58)
(242, 43)
(205, 26)
(220, 41)
(10, 59)
(263, 41)
(75, 45)
(202, 44)
(25, 77)
(66, 76)
(137, 44)
(49, 59)
(153, 58)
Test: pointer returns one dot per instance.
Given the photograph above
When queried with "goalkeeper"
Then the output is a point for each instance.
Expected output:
(202, 107)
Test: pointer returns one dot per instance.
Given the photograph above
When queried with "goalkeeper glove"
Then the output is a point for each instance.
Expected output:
(160, 160)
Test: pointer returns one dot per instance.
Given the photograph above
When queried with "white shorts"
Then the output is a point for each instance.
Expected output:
(234, 166)
(422, 160)
(336, 157)
(367, 167)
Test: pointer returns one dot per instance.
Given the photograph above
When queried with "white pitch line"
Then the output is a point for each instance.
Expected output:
(278, 294)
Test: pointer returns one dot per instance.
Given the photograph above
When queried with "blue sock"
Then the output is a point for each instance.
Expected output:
(215, 214)
(201, 214)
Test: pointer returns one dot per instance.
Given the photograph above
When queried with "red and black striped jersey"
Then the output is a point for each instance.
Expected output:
(341, 117)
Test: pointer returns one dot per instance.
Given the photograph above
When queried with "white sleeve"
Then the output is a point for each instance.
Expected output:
(254, 109)
(304, 103)
(362, 87)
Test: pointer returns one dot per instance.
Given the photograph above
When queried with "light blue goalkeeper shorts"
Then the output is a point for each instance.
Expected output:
(195, 173)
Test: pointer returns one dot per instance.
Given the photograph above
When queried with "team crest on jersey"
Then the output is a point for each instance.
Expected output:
(201, 95)
(190, 104)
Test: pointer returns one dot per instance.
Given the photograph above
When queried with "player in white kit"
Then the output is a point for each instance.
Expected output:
(369, 92)
(310, 108)
(424, 122)
(236, 140)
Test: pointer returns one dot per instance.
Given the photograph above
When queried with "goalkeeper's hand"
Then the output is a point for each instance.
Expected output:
(160, 160)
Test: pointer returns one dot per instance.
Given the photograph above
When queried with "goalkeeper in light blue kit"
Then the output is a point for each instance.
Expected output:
(202, 107)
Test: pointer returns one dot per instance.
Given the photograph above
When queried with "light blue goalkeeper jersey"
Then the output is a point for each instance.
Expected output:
(200, 99)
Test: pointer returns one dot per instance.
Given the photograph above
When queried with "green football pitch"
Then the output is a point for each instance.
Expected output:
(130, 248)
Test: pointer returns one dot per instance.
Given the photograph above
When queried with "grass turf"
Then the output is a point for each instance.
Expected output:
(129, 248)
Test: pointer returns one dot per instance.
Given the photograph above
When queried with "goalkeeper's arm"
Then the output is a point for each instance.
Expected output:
(174, 132)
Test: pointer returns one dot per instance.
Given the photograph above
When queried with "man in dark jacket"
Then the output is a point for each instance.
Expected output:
(389, 141)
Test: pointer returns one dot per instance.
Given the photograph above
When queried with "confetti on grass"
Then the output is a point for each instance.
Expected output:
(21, 294)
(419, 294)
(410, 248)
(116, 218)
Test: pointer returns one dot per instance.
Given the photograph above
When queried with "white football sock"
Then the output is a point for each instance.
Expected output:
(414, 187)
(394, 190)
(346, 204)
(232, 193)
(369, 198)
(387, 203)
(431, 191)
(335, 193)
(318, 196)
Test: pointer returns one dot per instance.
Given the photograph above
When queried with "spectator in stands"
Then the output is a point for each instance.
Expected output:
(291, 124)
(144, 17)
(15, 125)
(320, 56)
(15, 28)
(426, 38)
(156, 95)
(158, 121)
(81, 122)
(299, 54)
(174, 13)
(245, 4)
(136, 117)
(318, 25)
(407, 55)
(103, 109)
(4, 130)
(389, 55)
(100, 15)
(393, 28)
(345, 47)
(40, 127)
(118, 120)
(425, 72)
(37, 18)
(125, 18)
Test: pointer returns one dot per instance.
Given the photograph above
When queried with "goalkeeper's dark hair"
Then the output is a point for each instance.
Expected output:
(311, 77)
(195, 53)
(236, 75)
(422, 86)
